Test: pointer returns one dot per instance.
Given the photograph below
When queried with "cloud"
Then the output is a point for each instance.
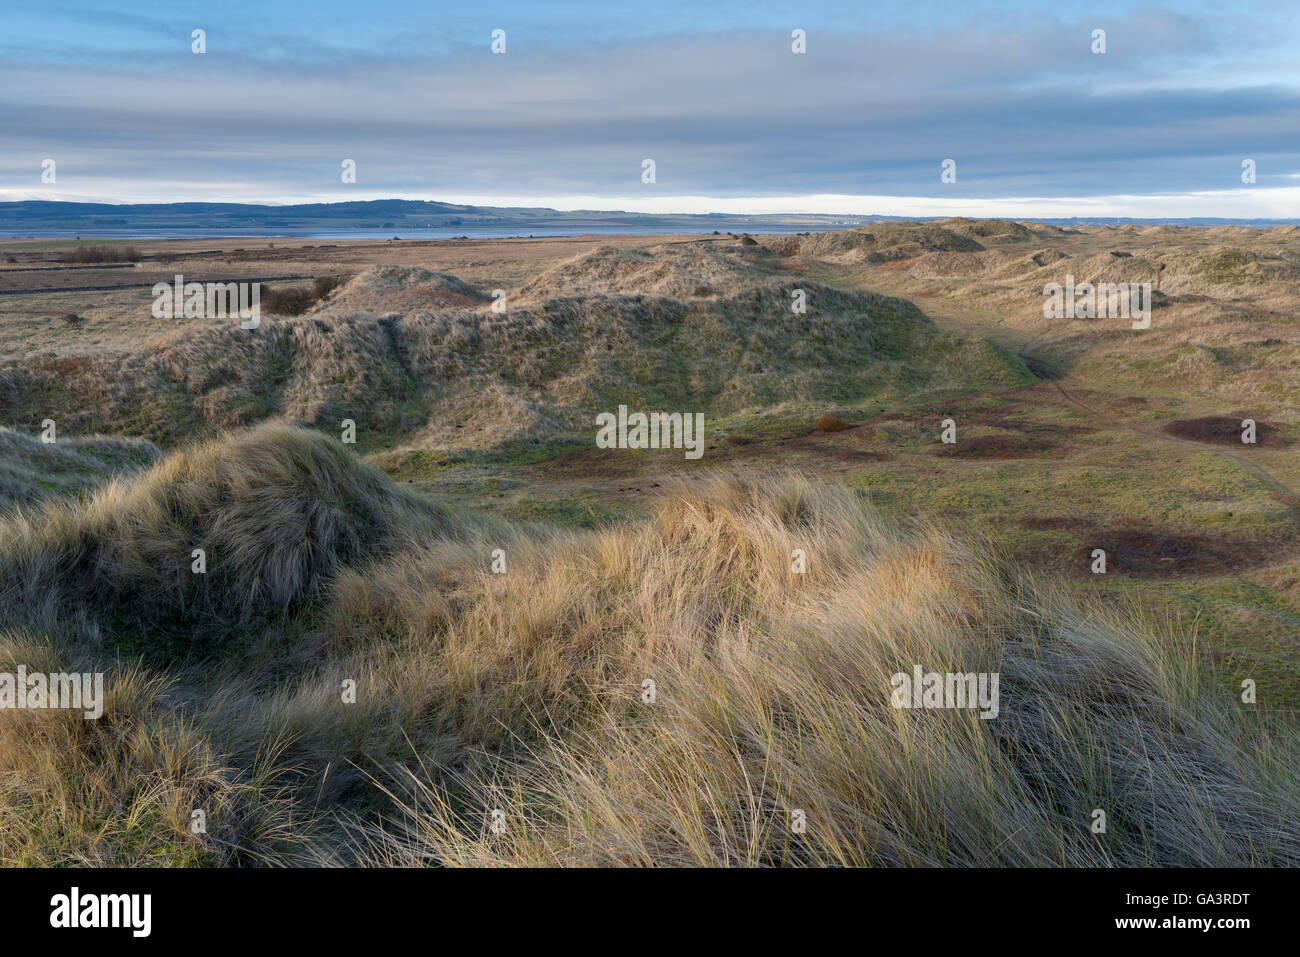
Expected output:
(1023, 108)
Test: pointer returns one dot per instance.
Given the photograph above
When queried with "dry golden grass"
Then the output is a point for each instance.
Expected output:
(121, 790)
(1222, 325)
(274, 509)
(773, 696)
(522, 691)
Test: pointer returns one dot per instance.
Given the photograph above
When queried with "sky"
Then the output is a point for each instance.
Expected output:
(1036, 123)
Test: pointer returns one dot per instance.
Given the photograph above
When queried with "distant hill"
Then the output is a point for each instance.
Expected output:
(405, 216)
(396, 214)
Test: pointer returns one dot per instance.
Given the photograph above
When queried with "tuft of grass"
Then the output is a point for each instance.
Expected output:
(123, 790)
(275, 510)
(31, 469)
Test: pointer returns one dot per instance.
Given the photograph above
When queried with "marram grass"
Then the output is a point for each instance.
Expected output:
(665, 693)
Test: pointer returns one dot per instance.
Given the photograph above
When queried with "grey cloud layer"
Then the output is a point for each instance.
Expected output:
(1024, 112)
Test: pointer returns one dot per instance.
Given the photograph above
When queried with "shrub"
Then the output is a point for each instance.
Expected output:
(102, 254)
(324, 285)
(830, 423)
(287, 302)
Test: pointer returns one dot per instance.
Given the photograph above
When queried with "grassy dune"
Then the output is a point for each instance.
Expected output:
(416, 356)
(522, 691)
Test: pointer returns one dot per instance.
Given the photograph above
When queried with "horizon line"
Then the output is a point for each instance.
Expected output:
(1252, 203)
